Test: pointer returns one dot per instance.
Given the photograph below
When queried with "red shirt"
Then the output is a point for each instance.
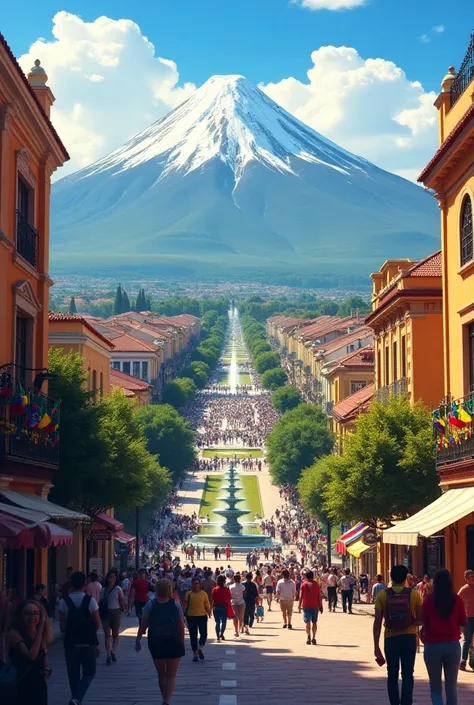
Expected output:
(140, 586)
(310, 594)
(436, 628)
(221, 595)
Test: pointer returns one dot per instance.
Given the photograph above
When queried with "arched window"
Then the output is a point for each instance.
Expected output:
(466, 231)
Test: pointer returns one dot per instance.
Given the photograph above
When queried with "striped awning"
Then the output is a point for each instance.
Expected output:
(447, 509)
(349, 536)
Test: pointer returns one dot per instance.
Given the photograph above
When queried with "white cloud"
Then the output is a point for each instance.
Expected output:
(368, 106)
(330, 4)
(437, 29)
(108, 82)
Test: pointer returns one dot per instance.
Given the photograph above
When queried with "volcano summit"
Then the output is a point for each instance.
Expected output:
(230, 182)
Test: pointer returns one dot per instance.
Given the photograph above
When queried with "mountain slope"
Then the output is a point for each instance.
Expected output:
(231, 180)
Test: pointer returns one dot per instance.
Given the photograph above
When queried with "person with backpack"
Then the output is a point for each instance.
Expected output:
(400, 608)
(79, 622)
(163, 617)
(111, 604)
(443, 615)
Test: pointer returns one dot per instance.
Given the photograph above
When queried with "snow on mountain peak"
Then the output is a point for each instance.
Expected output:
(231, 119)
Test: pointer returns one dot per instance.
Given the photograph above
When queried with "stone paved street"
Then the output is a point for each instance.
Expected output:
(272, 666)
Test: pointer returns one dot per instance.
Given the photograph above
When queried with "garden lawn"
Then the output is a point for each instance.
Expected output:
(209, 501)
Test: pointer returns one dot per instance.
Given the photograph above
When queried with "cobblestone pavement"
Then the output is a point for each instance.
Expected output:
(270, 666)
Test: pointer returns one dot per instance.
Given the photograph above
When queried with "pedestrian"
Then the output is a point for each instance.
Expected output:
(237, 592)
(125, 585)
(221, 606)
(332, 590)
(66, 587)
(6, 612)
(197, 610)
(139, 593)
(163, 617)
(268, 587)
(311, 600)
(377, 587)
(39, 595)
(111, 604)
(346, 584)
(250, 597)
(400, 607)
(208, 584)
(28, 640)
(94, 587)
(79, 621)
(286, 593)
(216, 553)
(443, 615)
(467, 595)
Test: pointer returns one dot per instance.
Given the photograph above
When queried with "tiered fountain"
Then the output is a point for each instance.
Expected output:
(232, 528)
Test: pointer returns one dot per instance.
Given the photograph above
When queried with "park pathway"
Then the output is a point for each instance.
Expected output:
(272, 666)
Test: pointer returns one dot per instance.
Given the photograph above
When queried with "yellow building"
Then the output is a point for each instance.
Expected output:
(446, 527)
(346, 411)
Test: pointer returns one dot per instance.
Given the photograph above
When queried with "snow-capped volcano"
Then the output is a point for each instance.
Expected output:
(229, 179)
(230, 119)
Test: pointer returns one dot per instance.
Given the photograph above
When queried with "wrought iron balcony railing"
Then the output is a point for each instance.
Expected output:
(453, 430)
(26, 239)
(465, 74)
(396, 389)
(29, 421)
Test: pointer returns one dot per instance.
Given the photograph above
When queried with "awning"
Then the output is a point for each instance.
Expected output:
(17, 532)
(54, 535)
(112, 523)
(31, 501)
(447, 509)
(29, 515)
(349, 536)
(358, 548)
(123, 537)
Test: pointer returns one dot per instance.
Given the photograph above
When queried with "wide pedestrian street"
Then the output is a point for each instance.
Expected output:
(272, 666)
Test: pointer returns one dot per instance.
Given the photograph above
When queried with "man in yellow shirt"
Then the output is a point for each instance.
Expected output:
(400, 608)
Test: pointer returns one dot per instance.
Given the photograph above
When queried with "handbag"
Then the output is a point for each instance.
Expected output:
(104, 605)
(230, 611)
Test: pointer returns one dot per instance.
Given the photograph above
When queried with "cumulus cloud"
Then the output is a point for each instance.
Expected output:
(109, 83)
(437, 29)
(330, 4)
(368, 106)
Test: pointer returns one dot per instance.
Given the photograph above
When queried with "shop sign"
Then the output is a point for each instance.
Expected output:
(123, 549)
(95, 565)
(369, 537)
(99, 535)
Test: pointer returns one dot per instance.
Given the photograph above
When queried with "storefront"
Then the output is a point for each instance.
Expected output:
(124, 550)
(100, 543)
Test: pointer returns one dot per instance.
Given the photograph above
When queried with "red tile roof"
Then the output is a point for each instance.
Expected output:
(457, 129)
(128, 343)
(350, 407)
(364, 357)
(428, 267)
(337, 343)
(124, 381)
(12, 57)
(55, 316)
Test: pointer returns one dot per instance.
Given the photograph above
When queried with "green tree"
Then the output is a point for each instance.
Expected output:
(286, 398)
(388, 466)
(118, 303)
(297, 440)
(266, 361)
(272, 379)
(72, 306)
(125, 302)
(260, 346)
(178, 392)
(314, 481)
(169, 436)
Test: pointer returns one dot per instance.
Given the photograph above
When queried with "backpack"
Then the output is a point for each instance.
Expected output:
(104, 604)
(163, 622)
(398, 611)
(80, 627)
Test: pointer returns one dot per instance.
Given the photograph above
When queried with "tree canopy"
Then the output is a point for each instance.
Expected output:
(298, 438)
(286, 398)
(266, 361)
(272, 379)
(72, 306)
(178, 392)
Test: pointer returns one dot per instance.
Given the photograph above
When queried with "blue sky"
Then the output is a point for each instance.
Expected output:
(268, 41)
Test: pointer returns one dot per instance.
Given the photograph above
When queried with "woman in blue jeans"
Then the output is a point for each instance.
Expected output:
(221, 597)
(443, 615)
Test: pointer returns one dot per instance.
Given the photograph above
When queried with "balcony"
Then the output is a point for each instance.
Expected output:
(26, 239)
(453, 429)
(465, 74)
(396, 389)
(29, 423)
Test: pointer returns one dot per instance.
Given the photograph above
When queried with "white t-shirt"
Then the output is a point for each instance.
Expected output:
(114, 596)
(286, 589)
(77, 598)
(237, 592)
(125, 584)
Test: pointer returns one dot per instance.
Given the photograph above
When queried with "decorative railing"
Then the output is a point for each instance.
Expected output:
(29, 421)
(453, 430)
(26, 239)
(396, 389)
(465, 74)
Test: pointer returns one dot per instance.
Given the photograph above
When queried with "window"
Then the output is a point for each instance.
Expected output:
(379, 370)
(387, 365)
(145, 371)
(466, 231)
(101, 385)
(471, 356)
(136, 369)
(94, 381)
(26, 235)
(126, 367)
(24, 200)
(404, 356)
(395, 361)
(116, 365)
(22, 346)
(356, 385)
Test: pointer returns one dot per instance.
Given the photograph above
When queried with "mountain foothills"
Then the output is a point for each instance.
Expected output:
(231, 183)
